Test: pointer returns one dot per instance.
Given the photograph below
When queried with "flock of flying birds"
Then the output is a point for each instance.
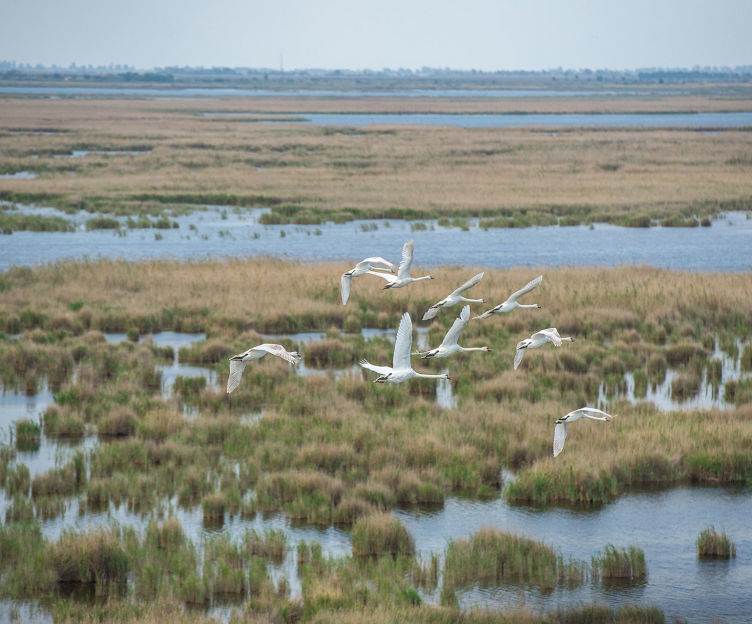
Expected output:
(401, 368)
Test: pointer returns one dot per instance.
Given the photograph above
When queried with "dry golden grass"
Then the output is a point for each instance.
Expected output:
(424, 169)
(213, 296)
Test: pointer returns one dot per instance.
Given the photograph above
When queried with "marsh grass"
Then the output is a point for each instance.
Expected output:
(714, 545)
(626, 563)
(381, 534)
(492, 557)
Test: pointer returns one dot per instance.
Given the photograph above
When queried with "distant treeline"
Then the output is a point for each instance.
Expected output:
(427, 77)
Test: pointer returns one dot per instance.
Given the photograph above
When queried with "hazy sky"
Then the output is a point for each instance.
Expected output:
(356, 34)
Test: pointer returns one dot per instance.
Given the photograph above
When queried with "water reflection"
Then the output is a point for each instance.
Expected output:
(664, 524)
(711, 394)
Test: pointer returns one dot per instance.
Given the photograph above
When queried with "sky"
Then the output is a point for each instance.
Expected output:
(485, 35)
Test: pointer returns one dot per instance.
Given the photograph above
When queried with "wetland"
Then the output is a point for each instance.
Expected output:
(135, 489)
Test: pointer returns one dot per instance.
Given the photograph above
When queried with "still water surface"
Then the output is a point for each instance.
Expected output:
(223, 233)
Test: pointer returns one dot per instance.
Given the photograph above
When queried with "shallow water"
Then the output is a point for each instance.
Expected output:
(641, 120)
(82, 153)
(665, 524)
(709, 396)
(19, 175)
(725, 246)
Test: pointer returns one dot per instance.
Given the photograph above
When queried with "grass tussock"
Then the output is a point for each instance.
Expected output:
(711, 544)
(492, 557)
(381, 534)
(626, 563)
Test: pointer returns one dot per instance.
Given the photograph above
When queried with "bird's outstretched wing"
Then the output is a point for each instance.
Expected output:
(552, 334)
(457, 327)
(431, 312)
(279, 351)
(526, 288)
(591, 412)
(378, 263)
(560, 434)
(381, 370)
(403, 343)
(236, 372)
(468, 284)
(407, 260)
(487, 313)
(345, 287)
(387, 276)
(518, 356)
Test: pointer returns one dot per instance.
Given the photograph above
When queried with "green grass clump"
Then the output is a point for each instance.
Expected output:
(711, 544)
(381, 534)
(491, 556)
(98, 557)
(271, 545)
(627, 563)
(28, 435)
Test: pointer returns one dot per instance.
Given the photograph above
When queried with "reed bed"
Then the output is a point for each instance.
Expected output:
(381, 534)
(626, 563)
(630, 176)
(714, 545)
(493, 557)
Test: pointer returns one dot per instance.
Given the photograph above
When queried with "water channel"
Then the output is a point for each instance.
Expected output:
(221, 232)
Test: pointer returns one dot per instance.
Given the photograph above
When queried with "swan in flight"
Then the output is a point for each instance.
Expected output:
(403, 273)
(449, 345)
(401, 370)
(454, 297)
(560, 431)
(511, 303)
(364, 266)
(538, 339)
(238, 362)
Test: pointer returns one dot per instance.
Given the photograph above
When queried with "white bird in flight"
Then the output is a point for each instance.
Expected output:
(238, 362)
(538, 339)
(401, 370)
(560, 430)
(454, 297)
(449, 345)
(403, 273)
(369, 265)
(511, 303)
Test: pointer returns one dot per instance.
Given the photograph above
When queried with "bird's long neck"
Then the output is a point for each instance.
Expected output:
(567, 339)
(427, 376)
(472, 348)
(425, 277)
(471, 300)
(528, 305)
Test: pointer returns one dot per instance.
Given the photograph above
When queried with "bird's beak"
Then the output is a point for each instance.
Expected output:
(449, 377)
